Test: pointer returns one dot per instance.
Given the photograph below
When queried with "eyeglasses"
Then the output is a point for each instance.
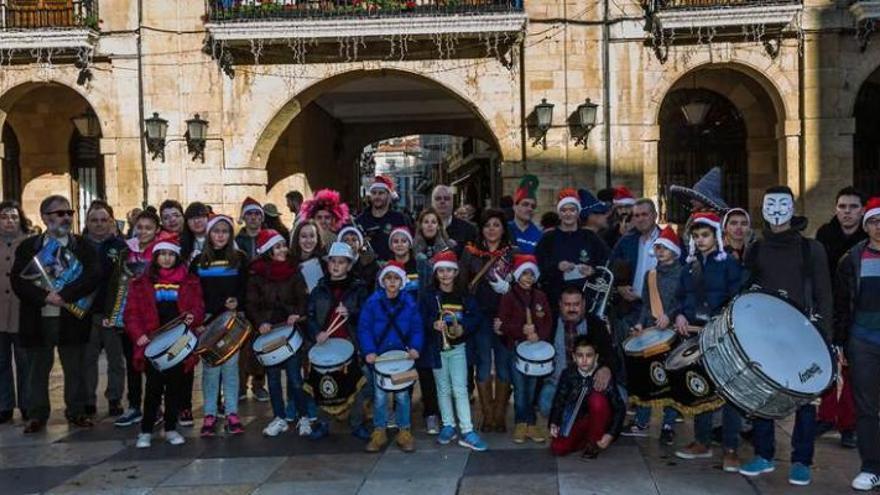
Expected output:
(61, 213)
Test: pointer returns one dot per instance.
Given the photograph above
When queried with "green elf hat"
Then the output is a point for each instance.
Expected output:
(527, 189)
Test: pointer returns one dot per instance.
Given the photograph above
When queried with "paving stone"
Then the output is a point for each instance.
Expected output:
(500, 462)
(414, 485)
(13, 435)
(620, 469)
(395, 465)
(247, 470)
(323, 467)
(510, 484)
(159, 450)
(112, 476)
(329, 487)
(237, 489)
(36, 479)
(58, 454)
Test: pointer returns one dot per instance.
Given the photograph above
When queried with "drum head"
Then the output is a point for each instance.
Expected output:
(216, 329)
(398, 362)
(686, 354)
(162, 341)
(535, 351)
(783, 341)
(331, 353)
(277, 332)
(648, 339)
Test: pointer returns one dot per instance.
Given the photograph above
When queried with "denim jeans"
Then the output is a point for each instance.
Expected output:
(545, 397)
(110, 340)
(451, 380)
(525, 388)
(402, 403)
(292, 369)
(643, 416)
(13, 386)
(212, 376)
(731, 424)
(864, 360)
(488, 345)
(803, 436)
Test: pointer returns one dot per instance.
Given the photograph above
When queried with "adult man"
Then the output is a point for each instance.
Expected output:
(294, 203)
(857, 327)
(108, 247)
(785, 260)
(45, 322)
(379, 220)
(524, 232)
(619, 220)
(573, 321)
(460, 231)
(839, 235)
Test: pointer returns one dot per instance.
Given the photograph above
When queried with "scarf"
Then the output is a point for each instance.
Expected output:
(173, 276)
(273, 270)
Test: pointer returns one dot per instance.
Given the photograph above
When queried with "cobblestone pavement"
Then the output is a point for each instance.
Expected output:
(104, 460)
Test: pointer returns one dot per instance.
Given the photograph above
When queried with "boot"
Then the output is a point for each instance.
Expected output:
(485, 396)
(378, 439)
(502, 398)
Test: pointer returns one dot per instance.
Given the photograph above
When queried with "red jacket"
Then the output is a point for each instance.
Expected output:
(141, 315)
(512, 312)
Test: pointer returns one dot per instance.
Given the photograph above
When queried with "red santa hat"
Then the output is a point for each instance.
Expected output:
(709, 219)
(400, 231)
(872, 209)
(623, 196)
(215, 219)
(568, 196)
(250, 204)
(266, 239)
(165, 241)
(384, 183)
(445, 259)
(670, 240)
(351, 229)
(394, 267)
(523, 262)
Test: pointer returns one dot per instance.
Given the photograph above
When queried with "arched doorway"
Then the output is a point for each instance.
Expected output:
(720, 115)
(866, 146)
(318, 139)
(11, 165)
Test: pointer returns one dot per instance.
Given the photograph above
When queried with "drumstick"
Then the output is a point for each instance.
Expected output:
(336, 325)
(393, 358)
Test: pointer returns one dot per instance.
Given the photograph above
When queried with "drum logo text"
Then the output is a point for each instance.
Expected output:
(809, 373)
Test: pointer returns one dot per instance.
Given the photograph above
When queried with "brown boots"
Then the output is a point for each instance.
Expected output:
(484, 389)
(502, 398)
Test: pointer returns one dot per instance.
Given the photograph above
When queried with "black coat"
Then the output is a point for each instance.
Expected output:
(73, 330)
(567, 391)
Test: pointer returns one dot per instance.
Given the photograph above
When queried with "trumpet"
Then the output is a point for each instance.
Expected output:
(601, 284)
(453, 330)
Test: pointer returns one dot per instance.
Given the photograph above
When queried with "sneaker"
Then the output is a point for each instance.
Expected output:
(144, 440)
(319, 430)
(730, 463)
(174, 438)
(432, 424)
(848, 439)
(129, 417)
(757, 466)
(209, 426)
(185, 418)
(362, 433)
(519, 432)
(635, 430)
(405, 440)
(695, 450)
(799, 474)
(866, 482)
(378, 439)
(276, 427)
(823, 427)
(535, 434)
(447, 434)
(667, 436)
(261, 395)
(233, 424)
(473, 441)
(115, 409)
(304, 427)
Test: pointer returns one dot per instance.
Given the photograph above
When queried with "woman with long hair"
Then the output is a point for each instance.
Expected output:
(431, 237)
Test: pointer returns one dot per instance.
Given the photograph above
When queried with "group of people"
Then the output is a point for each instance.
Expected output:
(454, 298)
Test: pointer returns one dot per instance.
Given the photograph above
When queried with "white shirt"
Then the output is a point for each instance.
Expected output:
(647, 260)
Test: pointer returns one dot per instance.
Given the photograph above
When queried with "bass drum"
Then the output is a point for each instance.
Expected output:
(645, 361)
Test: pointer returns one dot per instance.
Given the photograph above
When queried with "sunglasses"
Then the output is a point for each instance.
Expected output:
(61, 213)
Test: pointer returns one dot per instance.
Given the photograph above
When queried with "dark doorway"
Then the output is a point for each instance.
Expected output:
(866, 172)
(11, 165)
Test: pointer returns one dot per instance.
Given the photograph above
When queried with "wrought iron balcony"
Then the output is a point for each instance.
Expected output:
(48, 24)
(698, 14)
(250, 10)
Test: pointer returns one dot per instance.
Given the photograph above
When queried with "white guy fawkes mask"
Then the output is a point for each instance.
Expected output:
(778, 208)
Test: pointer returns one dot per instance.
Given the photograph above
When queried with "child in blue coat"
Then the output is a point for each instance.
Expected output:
(390, 321)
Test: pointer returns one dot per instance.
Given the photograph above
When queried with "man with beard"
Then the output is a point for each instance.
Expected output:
(46, 322)
(379, 220)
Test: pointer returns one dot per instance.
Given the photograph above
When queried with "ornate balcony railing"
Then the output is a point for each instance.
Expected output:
(256, 10)
(714, 14)
(48, 14)
(718, 4)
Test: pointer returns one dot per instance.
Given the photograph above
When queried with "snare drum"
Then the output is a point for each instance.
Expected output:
(277, 345)
(170, 345)
(535, 358)
(765, 356)
(223, 337)
(692, 391)
(394, 371)
(334, 377)
(645, 361)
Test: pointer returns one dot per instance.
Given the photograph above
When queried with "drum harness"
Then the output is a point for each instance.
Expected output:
(527, 306)
(392, 313)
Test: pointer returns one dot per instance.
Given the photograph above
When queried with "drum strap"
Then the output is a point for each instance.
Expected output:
(392, 313)
(654, 293)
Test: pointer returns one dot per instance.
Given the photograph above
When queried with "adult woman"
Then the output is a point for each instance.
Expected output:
(328, 211)
(431, 237)
(13, 229)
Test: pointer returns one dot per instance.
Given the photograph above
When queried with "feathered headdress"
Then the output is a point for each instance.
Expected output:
(329, 200)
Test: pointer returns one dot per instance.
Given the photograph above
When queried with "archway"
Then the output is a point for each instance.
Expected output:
(53, 156)
(719, 116)
(317, 140)
(866, 147)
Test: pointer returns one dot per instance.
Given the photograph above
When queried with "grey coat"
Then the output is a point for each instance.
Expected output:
(9, 302)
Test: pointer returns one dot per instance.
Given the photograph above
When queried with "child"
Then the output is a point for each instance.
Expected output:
(276, 293)
(365, 266)
(661, 304)
(222, 272)
(161, 294)
(582, 418)
(707, 284)
(452, 314)
(338, 294)
(390, 321)
(524, 315)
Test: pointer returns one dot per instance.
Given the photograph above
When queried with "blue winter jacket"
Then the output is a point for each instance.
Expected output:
(721, 281)
(379, 315)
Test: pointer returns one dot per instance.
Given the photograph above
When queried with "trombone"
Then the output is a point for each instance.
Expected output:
(601, 283)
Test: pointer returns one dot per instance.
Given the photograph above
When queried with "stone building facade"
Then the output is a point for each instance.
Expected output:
(292, 91)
